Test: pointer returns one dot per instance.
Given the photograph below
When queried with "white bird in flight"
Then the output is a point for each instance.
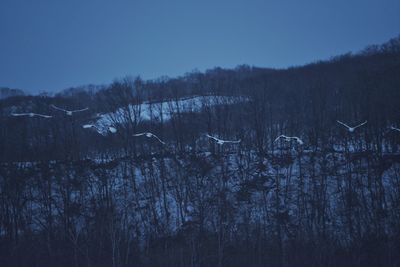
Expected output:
(351, 129)
(221, 142)
(111, 129)
(31, 115)
(149, 135)
(69, 112)
(289, 138)
(394, 128)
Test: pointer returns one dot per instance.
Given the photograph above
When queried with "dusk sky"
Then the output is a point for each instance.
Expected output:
(54, 44)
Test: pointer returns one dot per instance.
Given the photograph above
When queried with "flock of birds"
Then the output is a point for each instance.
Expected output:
(218, 141)
(31, 114)
(300, 142)
(110, 129)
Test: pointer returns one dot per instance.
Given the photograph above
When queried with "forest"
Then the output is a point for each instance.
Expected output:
(228, 167)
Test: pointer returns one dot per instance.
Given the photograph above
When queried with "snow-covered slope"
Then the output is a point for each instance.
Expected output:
(163, 111)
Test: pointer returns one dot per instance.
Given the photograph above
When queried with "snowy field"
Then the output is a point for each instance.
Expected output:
(163, 111)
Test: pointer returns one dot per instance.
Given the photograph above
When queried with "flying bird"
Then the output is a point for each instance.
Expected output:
(221, 142)
(289, 138)
(31, 115)
(394, 128)
(149, 135)
(69, 112)
(351, 129)
(110, 129)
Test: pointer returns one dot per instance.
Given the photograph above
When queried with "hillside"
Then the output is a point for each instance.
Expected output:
(95, 197)
(6, 92)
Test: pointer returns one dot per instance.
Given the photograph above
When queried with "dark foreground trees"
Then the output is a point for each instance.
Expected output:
(198, 210)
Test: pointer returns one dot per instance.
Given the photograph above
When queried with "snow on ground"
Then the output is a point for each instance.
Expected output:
(158, 111)
(137, 186)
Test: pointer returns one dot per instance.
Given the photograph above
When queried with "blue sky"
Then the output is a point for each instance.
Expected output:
(54, 44)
